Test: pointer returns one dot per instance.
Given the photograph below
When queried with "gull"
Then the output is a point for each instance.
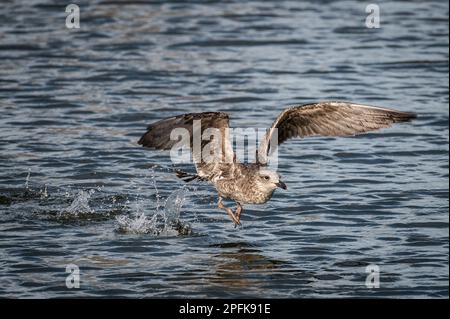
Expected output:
(255, 183)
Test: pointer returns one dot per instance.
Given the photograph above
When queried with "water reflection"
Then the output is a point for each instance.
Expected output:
(241, 265)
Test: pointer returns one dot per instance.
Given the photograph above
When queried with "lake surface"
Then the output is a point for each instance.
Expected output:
(75, 188)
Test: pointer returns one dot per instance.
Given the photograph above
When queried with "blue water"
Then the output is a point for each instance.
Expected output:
(75, 188)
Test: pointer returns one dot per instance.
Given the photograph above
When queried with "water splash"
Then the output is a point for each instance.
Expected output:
(44, 192)
(173, 205)
(155, 186)
(80, 204)
(155, 225)
(33, 193)
(138, 224)
(134, 214)
(165, 220)
(27, 180)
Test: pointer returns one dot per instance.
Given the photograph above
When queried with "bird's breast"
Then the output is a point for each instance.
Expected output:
(242, 192)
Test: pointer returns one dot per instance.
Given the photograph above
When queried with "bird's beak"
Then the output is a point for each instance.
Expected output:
(282, 185)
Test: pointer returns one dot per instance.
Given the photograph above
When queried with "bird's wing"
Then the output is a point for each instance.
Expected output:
(206, 134)
(327, 119)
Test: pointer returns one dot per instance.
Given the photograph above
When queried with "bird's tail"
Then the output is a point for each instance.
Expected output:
(187, 177)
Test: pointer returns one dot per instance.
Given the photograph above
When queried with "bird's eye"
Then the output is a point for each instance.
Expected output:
(266, 178)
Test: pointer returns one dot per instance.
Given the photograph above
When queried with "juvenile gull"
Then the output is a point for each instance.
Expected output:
(254, 183)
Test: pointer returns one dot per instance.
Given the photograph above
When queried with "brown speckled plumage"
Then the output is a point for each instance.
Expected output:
(254, 183)
(242, 185)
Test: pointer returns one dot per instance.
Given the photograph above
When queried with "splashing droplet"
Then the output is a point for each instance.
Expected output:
(163, 222)
(173, 205)
(80, 204)
(27, 180)
(140, 224)
(44, 192)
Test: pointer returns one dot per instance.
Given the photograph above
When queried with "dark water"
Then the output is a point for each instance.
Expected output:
(74, 102)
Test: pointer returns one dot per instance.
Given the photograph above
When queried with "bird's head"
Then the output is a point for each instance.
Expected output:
(267, 181)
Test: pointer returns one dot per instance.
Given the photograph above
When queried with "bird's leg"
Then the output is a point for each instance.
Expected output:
(237, 213)
(228, 210)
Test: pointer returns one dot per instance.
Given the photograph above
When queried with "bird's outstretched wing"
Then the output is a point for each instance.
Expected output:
(327, 119)
(209, 148)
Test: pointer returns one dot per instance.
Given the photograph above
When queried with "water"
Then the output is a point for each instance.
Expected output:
(76, 188)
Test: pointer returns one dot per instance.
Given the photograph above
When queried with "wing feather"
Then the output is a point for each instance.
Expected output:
(328, 119)
(158, 137)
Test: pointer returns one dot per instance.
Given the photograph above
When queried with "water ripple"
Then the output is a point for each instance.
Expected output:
(76, 188)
